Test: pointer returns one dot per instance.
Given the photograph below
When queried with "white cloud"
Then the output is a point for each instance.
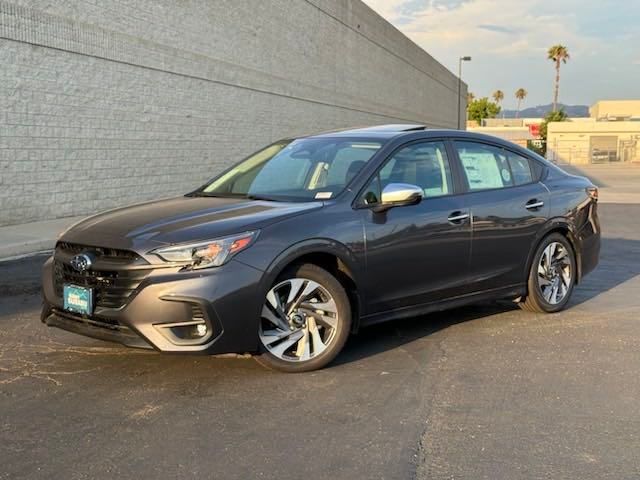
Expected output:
(508, 40)
(485, 25)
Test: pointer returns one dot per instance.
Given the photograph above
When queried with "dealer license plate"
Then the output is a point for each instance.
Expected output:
(78, 299)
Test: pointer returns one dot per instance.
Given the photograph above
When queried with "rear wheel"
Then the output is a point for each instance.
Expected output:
(305, 320)
(552, 276)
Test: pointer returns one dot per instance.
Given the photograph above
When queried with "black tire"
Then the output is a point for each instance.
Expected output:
(535, 300)
(339, 336)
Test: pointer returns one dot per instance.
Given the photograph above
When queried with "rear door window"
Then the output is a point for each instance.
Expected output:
(485, 166)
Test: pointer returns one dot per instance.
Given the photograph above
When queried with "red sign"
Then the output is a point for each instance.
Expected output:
(534, 129)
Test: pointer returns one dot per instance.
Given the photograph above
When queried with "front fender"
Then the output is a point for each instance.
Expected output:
(305, 247)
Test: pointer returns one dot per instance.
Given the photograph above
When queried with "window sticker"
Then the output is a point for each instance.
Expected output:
(482, 170)
(506, 175)
(323, 195)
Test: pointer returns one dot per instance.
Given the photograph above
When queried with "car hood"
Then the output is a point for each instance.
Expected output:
(149, 225)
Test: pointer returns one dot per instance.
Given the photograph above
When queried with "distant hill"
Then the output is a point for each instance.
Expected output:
(542, 110)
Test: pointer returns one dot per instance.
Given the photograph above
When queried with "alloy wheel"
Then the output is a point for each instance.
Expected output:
(299, 320)
(554, 273)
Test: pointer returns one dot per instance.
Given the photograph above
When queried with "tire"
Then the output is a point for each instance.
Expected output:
(294, 333)
(550, 284)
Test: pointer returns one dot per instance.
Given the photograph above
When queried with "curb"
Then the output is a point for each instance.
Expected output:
(24, 249)
(29, 238)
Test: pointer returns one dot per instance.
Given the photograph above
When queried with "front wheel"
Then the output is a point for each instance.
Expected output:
(552, 276)
(305, 320)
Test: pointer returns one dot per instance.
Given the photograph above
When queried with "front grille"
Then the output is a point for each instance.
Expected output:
(114, 277)
(110, 254)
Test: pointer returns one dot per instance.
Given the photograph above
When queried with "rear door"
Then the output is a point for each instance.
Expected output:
(508, 206)
(420, 253)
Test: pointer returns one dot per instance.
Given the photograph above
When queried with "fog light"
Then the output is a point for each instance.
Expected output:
(199, 325)
(201, 330)
(192, 331)
(185, 333)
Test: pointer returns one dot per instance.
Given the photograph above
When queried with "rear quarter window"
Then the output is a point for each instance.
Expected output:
(520, 168)
(537, 169)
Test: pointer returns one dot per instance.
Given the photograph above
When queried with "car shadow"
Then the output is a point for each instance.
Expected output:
(20, 285)
(619, 262)
(387, 336)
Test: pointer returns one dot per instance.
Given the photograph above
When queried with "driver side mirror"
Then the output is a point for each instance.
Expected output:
(399, 195)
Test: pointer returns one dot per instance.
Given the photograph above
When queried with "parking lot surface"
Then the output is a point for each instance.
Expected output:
(485, 391)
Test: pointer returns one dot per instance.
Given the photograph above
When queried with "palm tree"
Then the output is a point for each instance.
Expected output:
(557, 53)
(498, 96)
(520, 94)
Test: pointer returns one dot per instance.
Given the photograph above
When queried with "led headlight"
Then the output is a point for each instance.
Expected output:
(211, 253)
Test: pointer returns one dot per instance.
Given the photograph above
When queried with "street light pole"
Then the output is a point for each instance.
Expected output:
(460, 60)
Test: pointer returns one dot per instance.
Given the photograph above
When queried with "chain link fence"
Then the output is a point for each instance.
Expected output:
(627, 152)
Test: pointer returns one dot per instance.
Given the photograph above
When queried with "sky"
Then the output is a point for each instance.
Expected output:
(508, 42)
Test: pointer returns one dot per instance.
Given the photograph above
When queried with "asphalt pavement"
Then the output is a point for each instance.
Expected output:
(482, 392)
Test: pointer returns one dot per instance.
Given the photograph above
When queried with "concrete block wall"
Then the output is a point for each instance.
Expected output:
(109, 103)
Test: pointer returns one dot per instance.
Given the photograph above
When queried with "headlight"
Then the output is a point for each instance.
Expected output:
(212, 253)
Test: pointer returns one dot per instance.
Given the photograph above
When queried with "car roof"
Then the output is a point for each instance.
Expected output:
(389, 131)
(415, 131)
(376, 131)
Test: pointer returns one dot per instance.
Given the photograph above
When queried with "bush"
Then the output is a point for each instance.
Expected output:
(482, 108)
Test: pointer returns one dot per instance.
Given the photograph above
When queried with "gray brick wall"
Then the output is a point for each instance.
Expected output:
(106, 103)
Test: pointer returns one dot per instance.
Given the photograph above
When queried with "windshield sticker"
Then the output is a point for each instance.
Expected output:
(323, 195)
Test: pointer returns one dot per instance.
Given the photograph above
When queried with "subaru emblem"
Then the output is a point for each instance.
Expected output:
(81, 263)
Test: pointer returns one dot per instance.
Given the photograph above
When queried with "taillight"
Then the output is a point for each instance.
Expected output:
(593, 193)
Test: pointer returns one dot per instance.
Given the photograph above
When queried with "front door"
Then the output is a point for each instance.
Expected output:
(420, 253)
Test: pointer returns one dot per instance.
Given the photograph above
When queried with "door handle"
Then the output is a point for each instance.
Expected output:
(458, 217)
(534, 204)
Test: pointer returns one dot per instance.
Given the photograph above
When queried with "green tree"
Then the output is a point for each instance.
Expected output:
(521, 93)
(482, 108)
(559, 116)
(557, 53)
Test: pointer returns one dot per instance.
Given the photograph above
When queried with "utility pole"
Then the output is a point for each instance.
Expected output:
(460, 60)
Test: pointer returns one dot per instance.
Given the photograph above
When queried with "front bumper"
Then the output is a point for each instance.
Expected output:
(225, 299)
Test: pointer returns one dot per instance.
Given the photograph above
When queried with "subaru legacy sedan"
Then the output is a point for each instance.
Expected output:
(308, 240)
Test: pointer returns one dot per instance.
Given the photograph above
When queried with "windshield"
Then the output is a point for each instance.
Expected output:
(298, 170)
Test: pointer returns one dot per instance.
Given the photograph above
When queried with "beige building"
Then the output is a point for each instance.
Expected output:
(516, 130)
(517, 135)
(615, 110)
(611, 134)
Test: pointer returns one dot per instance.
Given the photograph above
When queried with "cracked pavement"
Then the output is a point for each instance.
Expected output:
(480, 392)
